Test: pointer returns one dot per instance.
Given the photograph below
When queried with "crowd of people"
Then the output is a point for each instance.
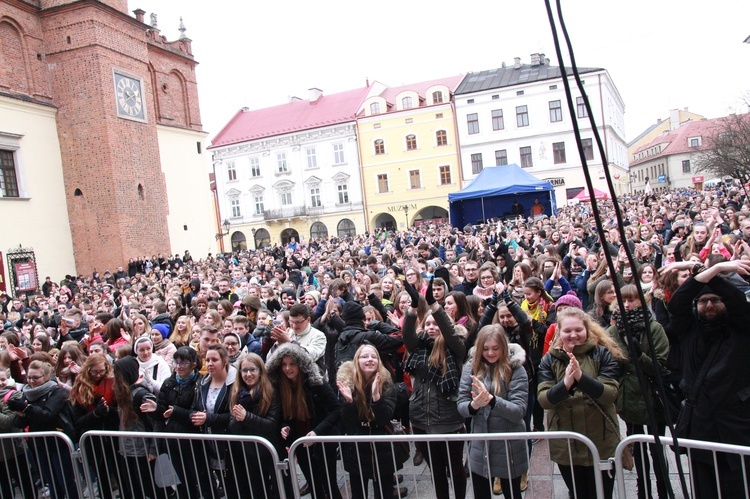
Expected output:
(433, 330)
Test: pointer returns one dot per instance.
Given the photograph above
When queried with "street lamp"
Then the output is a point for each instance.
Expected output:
(633, 176)
(406, 212)
(226, 226)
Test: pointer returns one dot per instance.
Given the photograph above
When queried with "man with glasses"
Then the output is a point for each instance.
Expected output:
(300, 332)
(471, 274)
(710, 316)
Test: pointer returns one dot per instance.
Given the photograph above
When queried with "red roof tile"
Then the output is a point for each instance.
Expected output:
(676, 141)
(452, 82)
(291, 117)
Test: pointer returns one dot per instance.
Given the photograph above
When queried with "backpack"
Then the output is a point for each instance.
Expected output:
(346, 351)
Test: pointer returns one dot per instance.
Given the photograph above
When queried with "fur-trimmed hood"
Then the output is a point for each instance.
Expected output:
(516, 354)
(303, 359)
(345, 374)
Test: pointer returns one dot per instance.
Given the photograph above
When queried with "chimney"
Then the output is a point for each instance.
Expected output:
(294, 98)
(674, 119)
(245, 109)
(516, 63)
(543, 60)
(367, 82)
(139, 15)
(535, 59)
(315, 94)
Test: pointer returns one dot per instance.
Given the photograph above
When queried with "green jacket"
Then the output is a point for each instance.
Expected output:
(631, 401)
(574, 411)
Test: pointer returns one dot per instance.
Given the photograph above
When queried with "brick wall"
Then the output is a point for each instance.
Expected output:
(79, 44)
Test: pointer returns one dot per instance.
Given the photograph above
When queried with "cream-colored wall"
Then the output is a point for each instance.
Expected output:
(188, 191)
(662, 127)
(40, 220)
(301, 225)
(397, 161)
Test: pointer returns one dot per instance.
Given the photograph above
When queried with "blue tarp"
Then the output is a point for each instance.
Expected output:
(493, 192)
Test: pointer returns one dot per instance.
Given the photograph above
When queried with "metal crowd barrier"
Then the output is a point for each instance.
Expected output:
(715, 456)
(156, 465)
(420, 482)
(40, 464)
(146, 464)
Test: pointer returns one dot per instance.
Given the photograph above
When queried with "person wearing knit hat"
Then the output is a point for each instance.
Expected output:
(128, 367)
(569, 299)
(162, 328)
(355, 333)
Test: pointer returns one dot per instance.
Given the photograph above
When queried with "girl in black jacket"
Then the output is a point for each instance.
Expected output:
(173, 410)
(255, 411)
(211, 414)
(309, 407)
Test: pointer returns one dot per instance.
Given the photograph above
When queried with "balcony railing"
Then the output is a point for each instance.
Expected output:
(295, 212)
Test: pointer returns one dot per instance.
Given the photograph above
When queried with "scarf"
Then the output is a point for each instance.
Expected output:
(185, 381)
(446, 382)
(34, 394)
(634, 318)
(162, 344)
(538, 310)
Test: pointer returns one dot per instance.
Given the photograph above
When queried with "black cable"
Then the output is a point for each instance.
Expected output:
(643, 383)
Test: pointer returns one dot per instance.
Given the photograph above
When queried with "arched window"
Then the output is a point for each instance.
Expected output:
(318, 230)
(407, 103)
(346, 228)
(78, 192)
(375, 108)
(239, 241)
(262, 239)
(140, 192)
(411, 142)
(379, 146)
(437, 97)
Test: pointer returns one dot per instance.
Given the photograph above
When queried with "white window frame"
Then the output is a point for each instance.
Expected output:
(315, 201)
(231, 171)
(338, 154)
(254, 167)
(236, 207)
(312, 159)
(258, 201)
(342, 191)
(282, 165)
(12, 142)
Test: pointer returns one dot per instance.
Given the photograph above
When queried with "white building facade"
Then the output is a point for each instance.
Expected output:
(304, 185)
(519, 114)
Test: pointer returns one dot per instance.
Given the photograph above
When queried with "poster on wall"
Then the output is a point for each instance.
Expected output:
(25, 277)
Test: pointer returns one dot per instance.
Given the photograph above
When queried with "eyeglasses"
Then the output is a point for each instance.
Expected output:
(34, 378)
(250, 370)
(180, 363)
(297, 323)
(95, 372)
(713, 299)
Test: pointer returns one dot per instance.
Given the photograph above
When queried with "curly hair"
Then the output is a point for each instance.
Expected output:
(83, 388)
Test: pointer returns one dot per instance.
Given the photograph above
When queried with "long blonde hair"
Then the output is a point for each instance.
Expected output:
(264, 386)
(501, 371)
(362, 389)
(593, 330)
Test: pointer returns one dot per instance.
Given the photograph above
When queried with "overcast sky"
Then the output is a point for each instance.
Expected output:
(662, 54)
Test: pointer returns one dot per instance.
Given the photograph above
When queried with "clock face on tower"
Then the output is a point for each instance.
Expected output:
(129, 97)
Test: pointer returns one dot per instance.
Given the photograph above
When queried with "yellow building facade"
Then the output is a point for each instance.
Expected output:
(409, 154)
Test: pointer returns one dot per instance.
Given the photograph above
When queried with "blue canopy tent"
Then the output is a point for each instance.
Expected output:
(493, 192)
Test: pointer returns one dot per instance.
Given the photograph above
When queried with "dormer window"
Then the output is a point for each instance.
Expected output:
(375, 108)
(437, 97)
(407, 103)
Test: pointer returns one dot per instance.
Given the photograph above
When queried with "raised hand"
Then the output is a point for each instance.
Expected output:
(376, 388)
(428, 295)
(413, 294)
(479, 394)
(345, 391)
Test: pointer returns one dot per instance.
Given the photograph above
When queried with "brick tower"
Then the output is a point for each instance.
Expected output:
(114, 80)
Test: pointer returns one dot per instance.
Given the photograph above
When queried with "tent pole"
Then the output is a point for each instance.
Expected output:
(484, 218)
